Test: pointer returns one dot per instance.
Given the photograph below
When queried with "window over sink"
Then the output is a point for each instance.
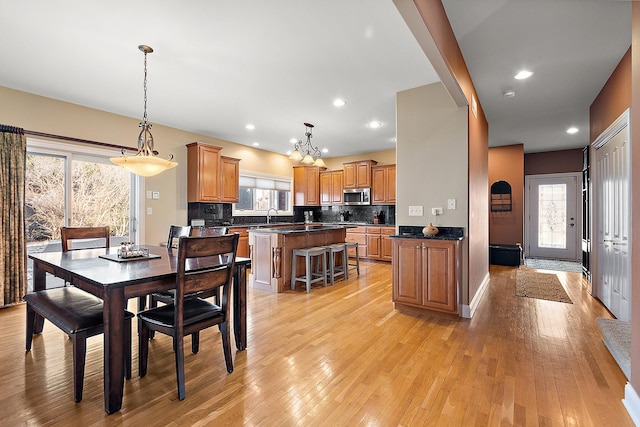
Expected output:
(258, 193)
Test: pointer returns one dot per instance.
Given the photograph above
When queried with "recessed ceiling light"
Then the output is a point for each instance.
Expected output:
(524, 74)
(572, 130)
(250, 127)
(325, 150)
(256, 144)
(338, 102)
(289, 152)
(293, 140)
(509, 93)
(374, 125)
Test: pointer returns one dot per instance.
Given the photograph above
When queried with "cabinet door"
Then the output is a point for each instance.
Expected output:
(326, 191)
(358, 236)
(407, 271)
(306, 186)
(203, 173)
(230, 179)
(243, 242)
(386, 249)
(363, 175)
(391, 184)
(439, 283)
(378, 189)
(337, 178)
(373, 246)
(349, 175)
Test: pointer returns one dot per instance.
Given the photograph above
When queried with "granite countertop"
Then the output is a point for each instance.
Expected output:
(415, 232)
(316, 224)
(299, 228)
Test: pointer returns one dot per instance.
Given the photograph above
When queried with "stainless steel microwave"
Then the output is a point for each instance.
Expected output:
(356, 196)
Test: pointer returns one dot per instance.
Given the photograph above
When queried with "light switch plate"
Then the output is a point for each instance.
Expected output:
(436, 211)
(149, 211)
(156, 195)
(415, 211)
(451, 204)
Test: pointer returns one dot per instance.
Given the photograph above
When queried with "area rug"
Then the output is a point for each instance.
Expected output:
(553, 264)
(617, 339)
(533, 284)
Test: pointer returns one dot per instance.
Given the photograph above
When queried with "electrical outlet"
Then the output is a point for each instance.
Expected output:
(149, 211)
(149, 194)
(451, 204)
(415, 211)
(436, 211)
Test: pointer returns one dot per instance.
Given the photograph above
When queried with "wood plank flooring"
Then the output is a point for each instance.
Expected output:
(342, 356)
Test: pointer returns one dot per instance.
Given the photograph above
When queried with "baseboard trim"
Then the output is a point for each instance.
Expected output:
(631, 401)
(469, 310)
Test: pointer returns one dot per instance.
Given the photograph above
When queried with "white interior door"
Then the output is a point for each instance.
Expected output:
(613, 226)
(552, 216)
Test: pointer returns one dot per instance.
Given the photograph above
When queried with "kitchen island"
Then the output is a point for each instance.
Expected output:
(271, 251)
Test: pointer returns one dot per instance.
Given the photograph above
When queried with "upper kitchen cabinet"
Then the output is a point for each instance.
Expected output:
(383, 190)
(230, 179)
(331, 185)
(306, 185)
(358, 174)
(210, 176)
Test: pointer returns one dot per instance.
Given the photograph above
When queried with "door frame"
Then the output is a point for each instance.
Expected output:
(578, 209)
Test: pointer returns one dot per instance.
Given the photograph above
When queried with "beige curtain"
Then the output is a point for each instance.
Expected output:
(13, 247)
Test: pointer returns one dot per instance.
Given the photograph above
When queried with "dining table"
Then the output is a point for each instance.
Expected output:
(115, 280)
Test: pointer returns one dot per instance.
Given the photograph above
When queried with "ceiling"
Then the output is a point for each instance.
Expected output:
(220, 65)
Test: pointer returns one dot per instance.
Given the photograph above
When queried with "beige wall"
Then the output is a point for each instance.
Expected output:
(47, 115)
(385, 157)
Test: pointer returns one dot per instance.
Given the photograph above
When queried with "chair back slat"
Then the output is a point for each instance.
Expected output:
(205, 263)
(67, 234)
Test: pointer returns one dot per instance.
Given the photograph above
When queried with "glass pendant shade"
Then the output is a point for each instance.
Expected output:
(296, 156)
(308, 159)
(320, 163)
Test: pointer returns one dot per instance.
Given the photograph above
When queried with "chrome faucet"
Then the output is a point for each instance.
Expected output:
(269, 215)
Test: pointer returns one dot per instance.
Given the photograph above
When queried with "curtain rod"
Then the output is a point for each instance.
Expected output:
(82, 141)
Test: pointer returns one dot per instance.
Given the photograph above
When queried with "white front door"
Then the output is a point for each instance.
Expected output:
(613, 226)
(552, 216)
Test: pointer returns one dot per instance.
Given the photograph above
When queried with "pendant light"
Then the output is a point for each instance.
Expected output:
(145, 162)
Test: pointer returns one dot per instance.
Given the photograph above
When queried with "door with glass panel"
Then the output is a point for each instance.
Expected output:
(75, 190)
(552, 216)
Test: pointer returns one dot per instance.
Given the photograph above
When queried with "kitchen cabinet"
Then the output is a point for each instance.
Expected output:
(230, 179)
(358, 174)
(383, 189)
(357, 235)
(210, 176)
(426, 274)
(373, 242)
(306, 185)
(331, 185)
(243, 241)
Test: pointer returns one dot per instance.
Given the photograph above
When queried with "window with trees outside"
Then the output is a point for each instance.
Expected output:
(75, 186)
(258, 194)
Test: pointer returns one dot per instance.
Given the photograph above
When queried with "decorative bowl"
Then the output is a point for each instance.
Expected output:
(430, 230)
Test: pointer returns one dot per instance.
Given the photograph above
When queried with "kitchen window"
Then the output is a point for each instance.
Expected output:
(259, 193)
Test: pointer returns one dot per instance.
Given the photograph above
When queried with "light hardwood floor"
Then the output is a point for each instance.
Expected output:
(342, 356)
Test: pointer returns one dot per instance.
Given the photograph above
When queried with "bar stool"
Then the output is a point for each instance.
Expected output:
(310, 276)
(337, 270)
(352, 245)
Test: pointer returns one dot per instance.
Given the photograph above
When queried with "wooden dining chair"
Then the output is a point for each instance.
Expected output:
(175, 232)
(84, 238)
(76, 312)
(166, 297)
(203, 264)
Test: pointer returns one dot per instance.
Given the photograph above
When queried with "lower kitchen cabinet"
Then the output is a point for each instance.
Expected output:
(426, 273)
(373, 242)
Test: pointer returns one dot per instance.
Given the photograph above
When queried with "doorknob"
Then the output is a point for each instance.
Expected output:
(572, 225)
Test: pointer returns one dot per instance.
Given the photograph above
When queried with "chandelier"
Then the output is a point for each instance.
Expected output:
(145, 162)
(312, 154)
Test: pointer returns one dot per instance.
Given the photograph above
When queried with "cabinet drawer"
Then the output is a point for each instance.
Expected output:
(357, 230)
(373, 230)
(387, 231)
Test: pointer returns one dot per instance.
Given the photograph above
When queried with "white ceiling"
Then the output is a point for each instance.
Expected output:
(219, 65)
(572, 46)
